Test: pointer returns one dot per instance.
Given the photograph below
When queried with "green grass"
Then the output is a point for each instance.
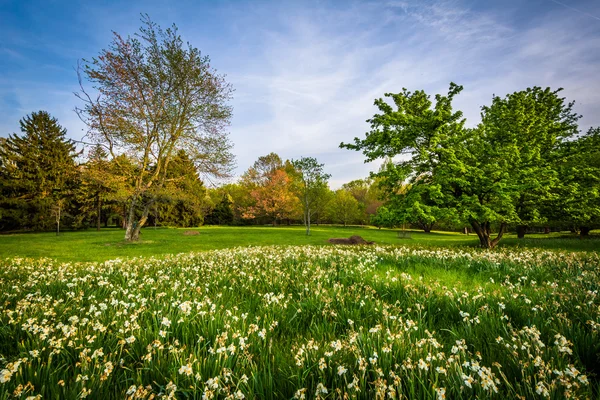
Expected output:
(92, 245)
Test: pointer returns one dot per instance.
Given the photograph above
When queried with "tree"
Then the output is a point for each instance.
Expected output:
(474, 175)
(274, 199)
(155, 97)
(312, 180)
(95, 185)
(366, 192)
(384, 217)
(221, 214)
(182, 201)
(344, 208)
(522, 135)
(429, 137)
(37, 174)
(577, 203)
(270, 187)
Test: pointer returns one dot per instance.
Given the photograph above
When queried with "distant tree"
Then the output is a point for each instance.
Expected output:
(259, 173)
(182, 200)
(311, 181)
(273, 199)
(155, 97)
(344, 208)
(270, 189)
(577, 201)
(37, 174)
(96, 183)
(367, 193)
(222, 213)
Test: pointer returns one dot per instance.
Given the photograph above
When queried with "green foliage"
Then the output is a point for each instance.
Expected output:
(577, 201)
(344, 208)
(384, 218)
(37, 172)
(311, 186)
(222, 213)
(182, 201)
(498, 174)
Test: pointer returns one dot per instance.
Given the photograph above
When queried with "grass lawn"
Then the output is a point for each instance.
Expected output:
(92, 245)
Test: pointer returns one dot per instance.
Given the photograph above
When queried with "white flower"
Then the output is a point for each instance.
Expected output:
(321, 389)
(5, 376)
(166, 322)
(341, 370)
(441, 393)
(185, 370)
(130, 339)
(239, 395)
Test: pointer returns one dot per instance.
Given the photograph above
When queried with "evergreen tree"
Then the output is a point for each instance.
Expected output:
(182, 201)
(37, 174)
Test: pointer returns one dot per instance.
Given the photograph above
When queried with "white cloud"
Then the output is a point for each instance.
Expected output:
(319, 79)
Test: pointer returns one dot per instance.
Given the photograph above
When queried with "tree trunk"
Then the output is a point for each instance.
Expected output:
(584, 231)
(130, 223)
(484, 231)
(546, 230)
(137, 225)
(521, 230)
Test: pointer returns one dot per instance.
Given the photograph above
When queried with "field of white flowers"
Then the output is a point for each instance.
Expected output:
(304, 322)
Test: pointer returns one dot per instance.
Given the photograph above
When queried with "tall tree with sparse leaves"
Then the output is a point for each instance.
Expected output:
(311, 182)
(153, 96)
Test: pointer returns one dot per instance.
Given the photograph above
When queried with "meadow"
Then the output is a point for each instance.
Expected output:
(409, 320)
(106, 244)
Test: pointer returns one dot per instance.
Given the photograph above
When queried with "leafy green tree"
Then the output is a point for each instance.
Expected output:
(344, 208)
(522, 135)
(311, 182)
(473, 175)
(182, 200)
(430, 137)
(577, 203)
(37, 174)
(156, 96)
(222, 213)
(384, 217)
(95, 185)
(366, 192)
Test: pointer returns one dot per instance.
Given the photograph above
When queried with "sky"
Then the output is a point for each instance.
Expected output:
(306, 73)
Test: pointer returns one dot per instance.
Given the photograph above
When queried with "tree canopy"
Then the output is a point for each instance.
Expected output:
(481, 176)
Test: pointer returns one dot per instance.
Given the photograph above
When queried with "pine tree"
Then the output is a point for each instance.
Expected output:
(37, 174)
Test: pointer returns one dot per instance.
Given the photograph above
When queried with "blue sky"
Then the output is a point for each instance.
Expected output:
(306, 72)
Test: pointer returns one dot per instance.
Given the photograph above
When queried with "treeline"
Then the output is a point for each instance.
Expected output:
(526, 166)
(269, 192)
(45, 184)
